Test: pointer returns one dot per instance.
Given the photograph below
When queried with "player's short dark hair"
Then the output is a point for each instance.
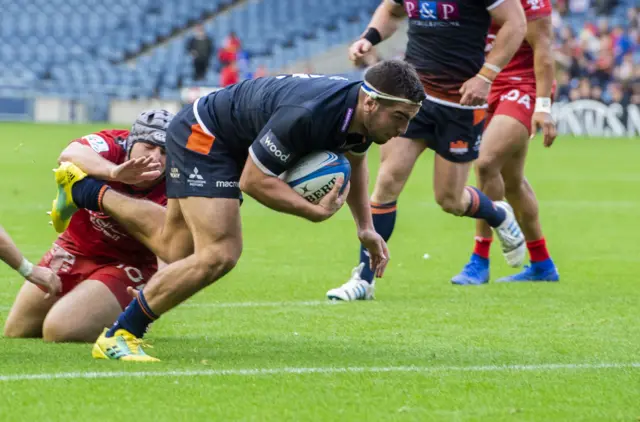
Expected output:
(397, 78)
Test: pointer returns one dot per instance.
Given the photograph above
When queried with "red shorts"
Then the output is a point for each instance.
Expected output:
(73, 269)
(517, 101)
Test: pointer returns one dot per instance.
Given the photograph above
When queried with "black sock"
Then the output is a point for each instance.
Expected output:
(384, 221)
(87, 193)
(136, 318)
(483, 208)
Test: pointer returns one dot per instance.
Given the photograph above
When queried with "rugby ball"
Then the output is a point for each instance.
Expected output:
(314, 175)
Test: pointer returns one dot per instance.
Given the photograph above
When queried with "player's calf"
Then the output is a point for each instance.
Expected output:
(204, 267)
(451, 203)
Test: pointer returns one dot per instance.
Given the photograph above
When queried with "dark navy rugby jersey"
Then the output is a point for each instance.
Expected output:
(446, 42)
(278, 120)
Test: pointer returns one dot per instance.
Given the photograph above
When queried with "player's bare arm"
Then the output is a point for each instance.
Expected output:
(130, 172)
(513, 28)
(383, 24)
(358, 201)
(540, 37)
(39, 276)
(277, 195)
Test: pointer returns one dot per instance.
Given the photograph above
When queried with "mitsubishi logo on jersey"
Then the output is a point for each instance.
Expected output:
(195, 179)
(195, 174)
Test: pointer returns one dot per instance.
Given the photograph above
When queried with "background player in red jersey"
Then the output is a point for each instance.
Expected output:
(94, 257)
(519, 105)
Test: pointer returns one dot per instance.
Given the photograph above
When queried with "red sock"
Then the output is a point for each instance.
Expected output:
(538, 250)
(483, 245)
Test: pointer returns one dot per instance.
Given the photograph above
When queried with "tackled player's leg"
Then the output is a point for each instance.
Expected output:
(397, 159)
(161, 230)
(215, 226)
(211, 213)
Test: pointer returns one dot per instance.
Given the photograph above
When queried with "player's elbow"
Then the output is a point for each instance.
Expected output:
(247, 185)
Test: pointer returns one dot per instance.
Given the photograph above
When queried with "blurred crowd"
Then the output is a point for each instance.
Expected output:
(230, 60)
(600, 61)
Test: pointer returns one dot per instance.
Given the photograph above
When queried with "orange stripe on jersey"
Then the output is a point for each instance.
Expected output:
(479, 115)
(199, 140)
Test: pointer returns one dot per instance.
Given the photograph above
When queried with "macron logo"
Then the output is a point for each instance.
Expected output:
(274, 148)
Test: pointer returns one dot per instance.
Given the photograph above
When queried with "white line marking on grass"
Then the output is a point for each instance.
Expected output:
(283, 304)
(320, 370)
(257, 304)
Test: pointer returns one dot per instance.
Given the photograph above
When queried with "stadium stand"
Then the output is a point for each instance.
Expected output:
(122, 49)
(68, 47)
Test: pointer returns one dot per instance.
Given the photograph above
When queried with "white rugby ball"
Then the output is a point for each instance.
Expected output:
(315, 174)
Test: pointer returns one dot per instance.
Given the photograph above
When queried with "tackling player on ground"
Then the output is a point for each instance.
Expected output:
(446, 45)
(242, 138)
(519, 104)
(94, 256)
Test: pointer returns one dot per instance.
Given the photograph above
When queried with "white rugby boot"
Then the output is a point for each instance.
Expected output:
(354, 289)
(514, 248)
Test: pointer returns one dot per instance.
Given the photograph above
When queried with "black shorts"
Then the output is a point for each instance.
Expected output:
(198, 163)
(453, 133)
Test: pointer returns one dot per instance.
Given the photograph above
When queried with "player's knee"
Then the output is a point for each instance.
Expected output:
(56, 331)
(450, 203)
(388, 185)
(13, 330)
(216, 262)
(516, 187)
(487, 168)
(64, 330)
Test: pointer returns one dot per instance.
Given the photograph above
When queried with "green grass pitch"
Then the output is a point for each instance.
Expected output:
(263, 345)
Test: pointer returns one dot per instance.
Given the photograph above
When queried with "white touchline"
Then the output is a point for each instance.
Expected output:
(246, 304)
(257, 304)
(320, 370)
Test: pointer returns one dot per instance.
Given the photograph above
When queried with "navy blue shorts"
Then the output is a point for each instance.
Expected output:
(199, 164)
(453, 133)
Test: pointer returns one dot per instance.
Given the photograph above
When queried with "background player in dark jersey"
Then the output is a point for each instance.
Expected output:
(519, 103)
(242, 138)
(94, 256)
(446, 45)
